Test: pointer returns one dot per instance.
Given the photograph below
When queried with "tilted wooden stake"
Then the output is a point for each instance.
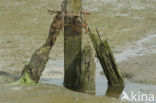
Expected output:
(107, 60)
(33, 71)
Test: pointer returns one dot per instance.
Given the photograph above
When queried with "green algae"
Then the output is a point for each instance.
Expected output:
(25, 79)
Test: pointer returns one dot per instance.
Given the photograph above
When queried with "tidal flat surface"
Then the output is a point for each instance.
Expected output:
(129, 26)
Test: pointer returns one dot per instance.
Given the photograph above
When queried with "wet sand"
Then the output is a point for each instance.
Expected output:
(138, 62)
(44, 93)
(140, 69)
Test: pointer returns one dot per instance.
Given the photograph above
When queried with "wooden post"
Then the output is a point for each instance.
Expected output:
(87, 74)
(107, 60)
(72, 44)
(33, 71)
(79, 66)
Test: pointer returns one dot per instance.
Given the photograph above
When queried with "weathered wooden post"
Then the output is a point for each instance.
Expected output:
(107, 60)
(72, 44)
(33, 71)
(79, 66)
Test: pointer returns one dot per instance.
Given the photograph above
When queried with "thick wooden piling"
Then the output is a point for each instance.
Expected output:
(33, 71)
(79, 66)
(72, 44)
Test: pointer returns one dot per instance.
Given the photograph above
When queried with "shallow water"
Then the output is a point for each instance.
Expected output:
(129, 26)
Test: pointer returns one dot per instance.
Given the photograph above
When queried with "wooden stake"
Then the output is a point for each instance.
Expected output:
(33, 71)
(107, 60)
